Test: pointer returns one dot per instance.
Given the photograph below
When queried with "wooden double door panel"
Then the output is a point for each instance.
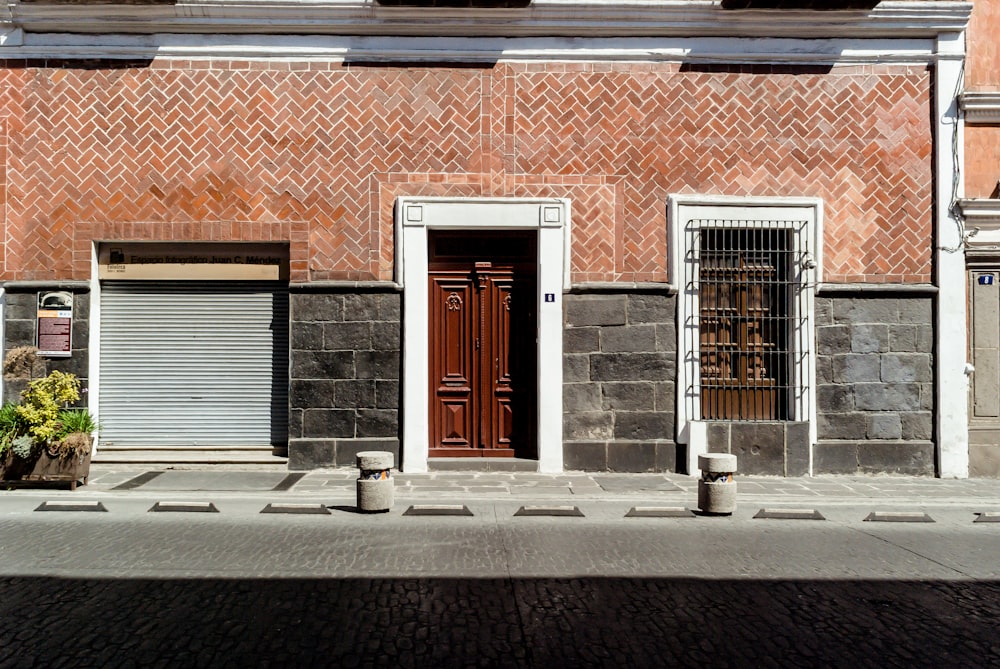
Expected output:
(482, 356)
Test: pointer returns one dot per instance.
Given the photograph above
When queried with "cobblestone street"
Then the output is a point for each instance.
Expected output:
(656, 622)
(130, 588)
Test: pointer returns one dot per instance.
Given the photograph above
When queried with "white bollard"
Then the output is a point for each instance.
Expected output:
(717, 489)
(375, 485)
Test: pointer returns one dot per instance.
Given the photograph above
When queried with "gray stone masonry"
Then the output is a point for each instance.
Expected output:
(776, 448)
(21, 314)
(875, 378)
(618, 375)
(345, 371)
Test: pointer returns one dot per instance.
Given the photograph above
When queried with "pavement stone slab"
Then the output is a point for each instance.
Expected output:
(207, 480)
(675, 488)
(539, 491)
(635, 483)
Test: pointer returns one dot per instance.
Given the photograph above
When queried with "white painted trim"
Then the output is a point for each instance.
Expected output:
(982, 224)
(94, 364)
(952, 387)
(980, 106)
(415, 216)
(683, 208)
(981, 211)
(541, 17)
(359, 49)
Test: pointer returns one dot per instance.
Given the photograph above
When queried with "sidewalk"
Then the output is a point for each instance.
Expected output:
(462, 487)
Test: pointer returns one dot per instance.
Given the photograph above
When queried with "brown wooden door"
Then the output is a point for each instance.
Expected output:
(482, 346)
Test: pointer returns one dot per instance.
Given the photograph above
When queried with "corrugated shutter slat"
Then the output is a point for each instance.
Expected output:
(194, 364)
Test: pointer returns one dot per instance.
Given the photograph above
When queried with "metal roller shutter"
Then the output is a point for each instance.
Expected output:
(194, 364)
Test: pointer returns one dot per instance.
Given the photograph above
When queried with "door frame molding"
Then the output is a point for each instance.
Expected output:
(414, 217)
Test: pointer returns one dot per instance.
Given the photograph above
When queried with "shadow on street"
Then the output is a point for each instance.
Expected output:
(548, 623)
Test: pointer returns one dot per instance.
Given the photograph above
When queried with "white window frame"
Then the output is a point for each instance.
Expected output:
(683, 212)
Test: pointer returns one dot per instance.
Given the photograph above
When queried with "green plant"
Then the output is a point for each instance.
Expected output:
(11, 425)
(74, 435)
(76, 420)
(23, 446)
(9, 420)
(42, 401)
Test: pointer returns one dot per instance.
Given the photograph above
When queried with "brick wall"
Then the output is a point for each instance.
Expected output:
(981, 170)
(315, 153)
(982, 161)
(983, 64)
(875, 385)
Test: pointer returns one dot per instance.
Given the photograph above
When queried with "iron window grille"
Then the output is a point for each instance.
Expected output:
(746, 299)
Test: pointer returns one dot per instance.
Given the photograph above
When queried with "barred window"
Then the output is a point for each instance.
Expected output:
(743, 291)
(747, 348)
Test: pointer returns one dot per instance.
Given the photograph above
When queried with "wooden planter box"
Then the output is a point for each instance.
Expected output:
(45, 468)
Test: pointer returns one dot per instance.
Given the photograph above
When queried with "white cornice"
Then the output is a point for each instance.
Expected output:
(980, 107)
(980, 212)
(358, 49)
(611, 18)
(982, 225)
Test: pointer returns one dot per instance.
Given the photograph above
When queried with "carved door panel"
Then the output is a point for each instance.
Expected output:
(482, 358)
(452, 360)
(497, 370)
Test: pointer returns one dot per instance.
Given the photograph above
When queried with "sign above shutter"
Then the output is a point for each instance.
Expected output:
(172, 261)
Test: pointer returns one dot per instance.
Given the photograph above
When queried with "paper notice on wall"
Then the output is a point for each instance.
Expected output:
(54, 330)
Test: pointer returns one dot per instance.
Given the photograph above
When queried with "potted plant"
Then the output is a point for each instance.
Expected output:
(43, 438)
(11, 427)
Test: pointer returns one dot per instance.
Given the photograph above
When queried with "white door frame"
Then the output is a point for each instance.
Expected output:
(415, 216)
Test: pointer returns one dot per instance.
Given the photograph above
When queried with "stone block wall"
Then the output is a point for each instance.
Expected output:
(618, 382)
(875, 378)
(20, 323)
(771, 448)
(345, 370)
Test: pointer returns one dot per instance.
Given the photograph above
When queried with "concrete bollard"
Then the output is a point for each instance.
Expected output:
(375, 492)
(717, 489)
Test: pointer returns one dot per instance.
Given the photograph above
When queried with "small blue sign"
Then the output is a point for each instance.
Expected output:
(985, 279)
(550, 297)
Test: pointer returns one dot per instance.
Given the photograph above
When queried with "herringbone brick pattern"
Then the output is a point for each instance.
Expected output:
(315, 153)
(596, 240)
(391, 186)
(859, 141)
(983, 63)
(982, 160)
(3, 182)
